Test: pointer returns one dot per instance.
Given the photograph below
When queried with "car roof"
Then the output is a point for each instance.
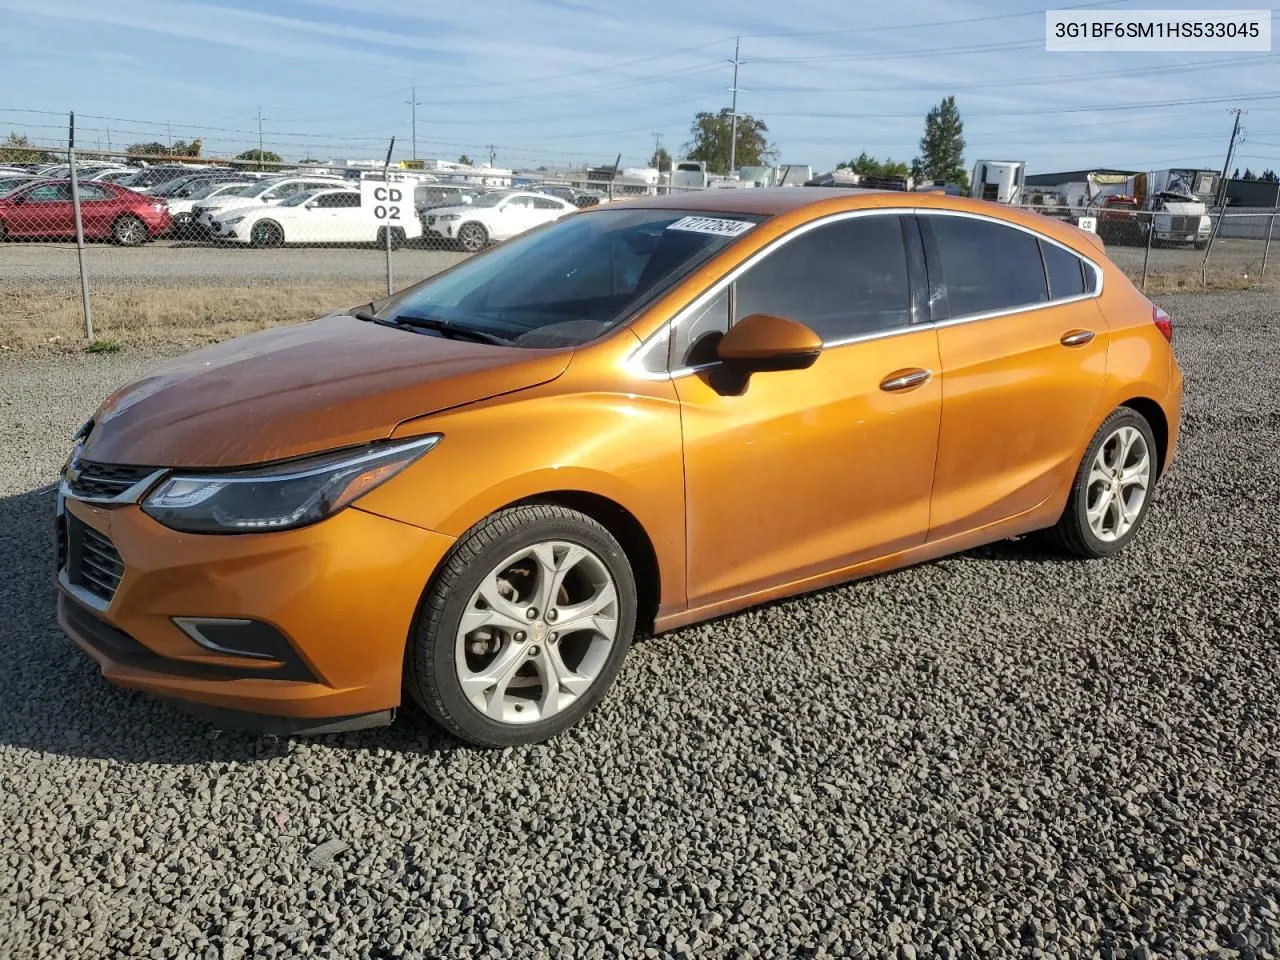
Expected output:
(820, 201)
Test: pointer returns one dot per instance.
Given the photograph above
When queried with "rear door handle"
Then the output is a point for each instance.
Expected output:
(905, 379)
(1076, 338)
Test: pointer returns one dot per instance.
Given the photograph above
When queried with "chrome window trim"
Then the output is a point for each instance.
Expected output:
(634, 362)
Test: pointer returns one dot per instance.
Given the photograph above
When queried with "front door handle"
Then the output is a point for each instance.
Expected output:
(1076, 338)
(905, 379)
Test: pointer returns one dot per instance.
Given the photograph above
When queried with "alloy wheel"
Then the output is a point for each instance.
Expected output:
(1119, 480)
(537, 632)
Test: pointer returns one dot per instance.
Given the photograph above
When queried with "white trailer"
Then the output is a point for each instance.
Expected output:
(1000, 181)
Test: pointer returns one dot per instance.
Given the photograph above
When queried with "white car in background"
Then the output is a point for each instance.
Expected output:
(318, 216)
(181, 209)
(492, 217)
(267, 193)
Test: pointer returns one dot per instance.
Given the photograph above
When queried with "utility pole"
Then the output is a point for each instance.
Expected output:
(733, 109)
(260, 157)
(414, 103)
(108, 138)
(492, 154)
(168, 130)
(1226, 164)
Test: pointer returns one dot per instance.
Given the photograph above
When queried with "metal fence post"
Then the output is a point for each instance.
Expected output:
(1208, 248)
(1266, 250)
(1151, 232)
(75, 204)
(386, 227)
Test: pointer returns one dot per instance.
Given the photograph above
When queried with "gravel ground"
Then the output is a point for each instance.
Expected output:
(999, 754)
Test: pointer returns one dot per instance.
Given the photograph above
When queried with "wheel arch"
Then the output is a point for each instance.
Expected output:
(630, 533)
(1154, 414)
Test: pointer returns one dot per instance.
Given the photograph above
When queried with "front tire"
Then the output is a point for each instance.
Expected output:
(396, 238)
(129, 231)
(1111, 493)
(472, 237)
(523, 628)
(266, 233)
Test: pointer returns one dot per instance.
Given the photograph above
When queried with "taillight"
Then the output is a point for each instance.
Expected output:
(1162, 321)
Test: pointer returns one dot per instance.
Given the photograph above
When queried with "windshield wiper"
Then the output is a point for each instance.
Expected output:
(451, 330)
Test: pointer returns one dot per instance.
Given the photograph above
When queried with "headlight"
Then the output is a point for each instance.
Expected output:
(281, 496)
(232, 222)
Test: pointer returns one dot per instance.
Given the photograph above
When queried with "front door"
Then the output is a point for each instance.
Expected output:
(1024, 354)
(803, 472)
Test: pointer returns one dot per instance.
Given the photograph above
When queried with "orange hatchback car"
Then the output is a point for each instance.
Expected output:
(644, 415)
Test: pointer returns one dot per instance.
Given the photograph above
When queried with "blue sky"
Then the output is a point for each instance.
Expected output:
(563, 81)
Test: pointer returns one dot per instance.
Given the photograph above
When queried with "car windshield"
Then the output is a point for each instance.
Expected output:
(207, 189)
(568, 283)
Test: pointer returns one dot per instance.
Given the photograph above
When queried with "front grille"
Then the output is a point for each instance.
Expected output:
(92, 560)
(101, 481)
(1184, 224)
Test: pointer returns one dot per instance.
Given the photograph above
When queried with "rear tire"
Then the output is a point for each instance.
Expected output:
(129, 231)
(472, 237)
(1112, 489)
(397, 237)
(547, 569)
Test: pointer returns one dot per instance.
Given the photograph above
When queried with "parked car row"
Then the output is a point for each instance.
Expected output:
(133, 205)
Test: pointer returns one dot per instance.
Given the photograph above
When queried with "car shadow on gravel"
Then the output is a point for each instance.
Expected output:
(54, 700)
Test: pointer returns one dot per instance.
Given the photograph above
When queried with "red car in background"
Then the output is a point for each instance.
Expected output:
(43, 208)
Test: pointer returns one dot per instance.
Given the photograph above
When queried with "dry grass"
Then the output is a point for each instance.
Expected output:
(33, 316)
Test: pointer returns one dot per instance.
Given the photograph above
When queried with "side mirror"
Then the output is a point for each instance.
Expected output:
(311, 205)
(763, 342)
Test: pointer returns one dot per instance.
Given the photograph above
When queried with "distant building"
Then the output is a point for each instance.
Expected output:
(1253, 193)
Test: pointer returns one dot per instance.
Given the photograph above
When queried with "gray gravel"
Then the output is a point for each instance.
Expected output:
(998, 755)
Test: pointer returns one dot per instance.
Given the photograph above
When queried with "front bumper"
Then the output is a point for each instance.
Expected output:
(340, 596)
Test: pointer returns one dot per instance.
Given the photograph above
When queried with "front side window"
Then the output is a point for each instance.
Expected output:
(50, 193)
(843, 279)
(987, 266)
(573, 280)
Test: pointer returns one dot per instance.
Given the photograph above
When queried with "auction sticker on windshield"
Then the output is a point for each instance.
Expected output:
(714, 225)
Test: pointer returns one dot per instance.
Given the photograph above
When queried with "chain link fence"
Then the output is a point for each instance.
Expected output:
(210, 250)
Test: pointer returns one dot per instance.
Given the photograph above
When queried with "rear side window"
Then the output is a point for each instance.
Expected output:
(987, 266)
(1065, 271)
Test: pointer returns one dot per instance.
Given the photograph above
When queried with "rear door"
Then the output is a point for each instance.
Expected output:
(98, 209)
(348, 221)
(1023, 348)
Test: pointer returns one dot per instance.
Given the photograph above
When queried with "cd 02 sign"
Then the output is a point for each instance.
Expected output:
(389, 201)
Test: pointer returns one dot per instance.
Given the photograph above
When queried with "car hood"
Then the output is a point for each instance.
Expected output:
(300, 389)
(438, 211)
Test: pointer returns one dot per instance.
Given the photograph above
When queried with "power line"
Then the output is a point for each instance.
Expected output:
(1039, 12)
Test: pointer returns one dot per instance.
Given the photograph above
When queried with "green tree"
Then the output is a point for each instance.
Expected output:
(869, 166)
(1248, 174)
(1269, 175)
(942, 146)
(18, 149)
(152, 149)
(711, 135)
(259, 156)
(661, 159)
(464, 159)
